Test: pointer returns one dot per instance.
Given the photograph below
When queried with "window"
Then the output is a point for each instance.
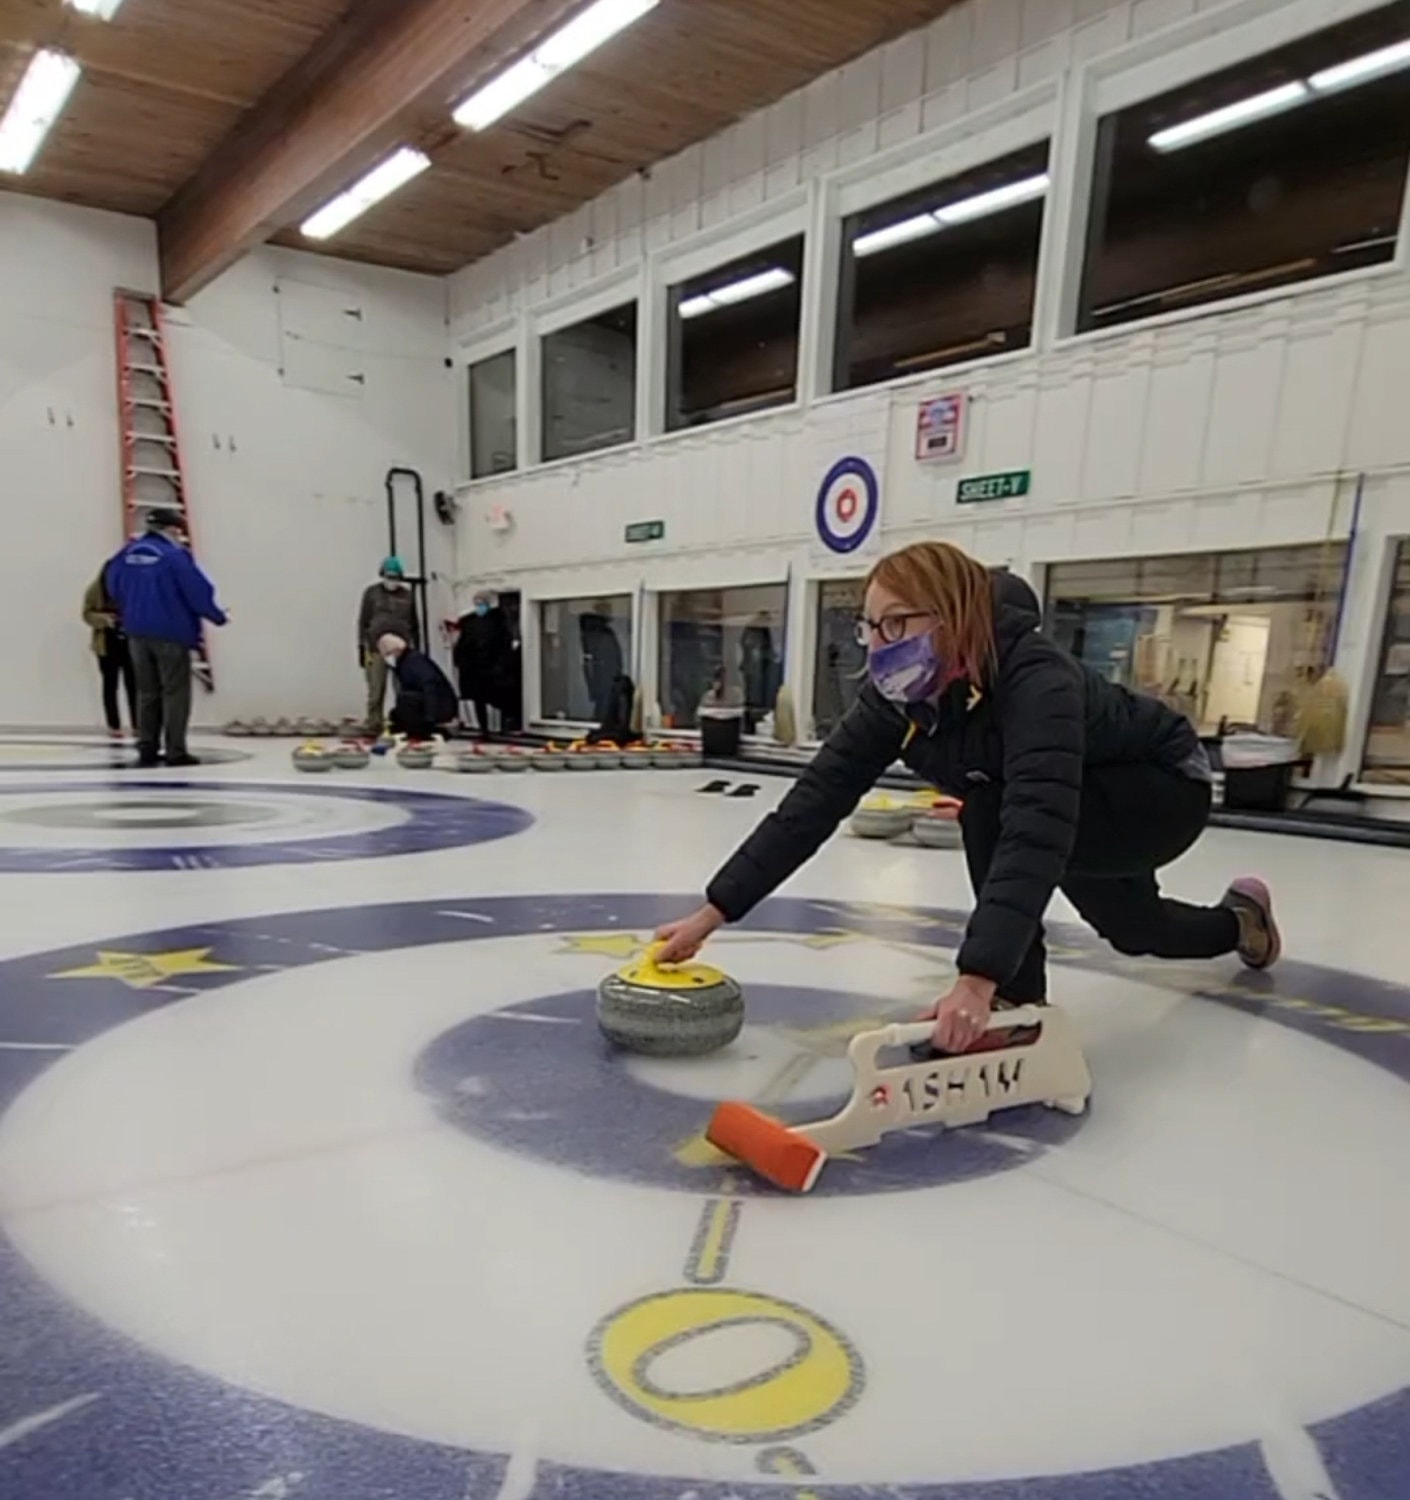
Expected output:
(589, 384)
(493, 426)
(1283, 169)
(585, 645)
(1231, 639)
(943, 275)
(734, 338)
(721, 648)
(840, 665)
(1388, 744)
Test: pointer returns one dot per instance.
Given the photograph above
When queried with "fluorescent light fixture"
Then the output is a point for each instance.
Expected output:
(381, 182)
(994, 201)
(104, 10)
(1231, 116)
(38, 102)
(963, 211)
(1362, 69)
(895, 234)
(773, 280)
(584, 34)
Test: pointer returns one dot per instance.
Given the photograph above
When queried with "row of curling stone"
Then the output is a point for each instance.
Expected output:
(929, 818)
(304, 729)
(579, 756)
(669, 1010)
(354, 755)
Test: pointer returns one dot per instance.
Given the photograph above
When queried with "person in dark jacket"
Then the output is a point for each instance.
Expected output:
(483, 646)
(426, 702)
(162, 597)
(1068, 781)
(388, 608)
(109, 642)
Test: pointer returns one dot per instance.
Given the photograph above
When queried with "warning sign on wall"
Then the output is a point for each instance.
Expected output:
(940, 425)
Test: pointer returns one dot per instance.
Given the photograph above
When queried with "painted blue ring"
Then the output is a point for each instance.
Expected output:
(433, 822)
(858, 468)
(197, 1438)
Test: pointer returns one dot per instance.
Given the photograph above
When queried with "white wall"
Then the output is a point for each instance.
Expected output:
(1225, 429)
(285, 484)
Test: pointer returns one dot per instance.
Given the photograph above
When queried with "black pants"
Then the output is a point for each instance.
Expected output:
(163, 670)
(412, 717)
(1134, 819)
(115, 666)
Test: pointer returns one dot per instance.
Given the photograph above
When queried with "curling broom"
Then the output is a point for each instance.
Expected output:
(959, 1089)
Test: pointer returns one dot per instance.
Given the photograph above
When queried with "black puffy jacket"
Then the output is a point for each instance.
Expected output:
(1033, 731)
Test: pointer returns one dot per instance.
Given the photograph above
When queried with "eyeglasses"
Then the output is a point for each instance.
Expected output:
(891, 628)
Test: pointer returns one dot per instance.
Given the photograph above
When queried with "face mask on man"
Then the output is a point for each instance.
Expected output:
(395, 584)
(906, 671)
(481, 607)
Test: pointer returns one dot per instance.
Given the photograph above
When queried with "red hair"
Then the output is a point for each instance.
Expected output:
(940, 579)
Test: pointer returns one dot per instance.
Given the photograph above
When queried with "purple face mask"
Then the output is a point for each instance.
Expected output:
(906, 671)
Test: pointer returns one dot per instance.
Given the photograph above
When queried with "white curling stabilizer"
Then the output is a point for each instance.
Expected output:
(961, 1090)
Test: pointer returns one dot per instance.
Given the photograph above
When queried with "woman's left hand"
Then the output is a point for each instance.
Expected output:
(962, 1016)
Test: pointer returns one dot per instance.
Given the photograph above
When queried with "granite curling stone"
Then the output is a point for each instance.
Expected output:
(237, 729)
(473, 763)
(416, 757)
(312, 758)
(881, 818)
(351, 757)
(934, 830)
(514, 760)
(685, 1010)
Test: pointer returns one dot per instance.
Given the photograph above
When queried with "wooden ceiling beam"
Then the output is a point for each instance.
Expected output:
(329, 118)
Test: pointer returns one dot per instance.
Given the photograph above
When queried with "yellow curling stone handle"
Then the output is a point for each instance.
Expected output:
(647, 971)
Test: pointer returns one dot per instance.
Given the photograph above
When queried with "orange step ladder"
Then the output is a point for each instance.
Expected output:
(152, 474)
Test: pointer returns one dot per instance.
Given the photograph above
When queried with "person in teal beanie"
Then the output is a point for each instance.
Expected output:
(388, 608)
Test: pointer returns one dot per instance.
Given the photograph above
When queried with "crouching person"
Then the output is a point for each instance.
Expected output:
(426, 702)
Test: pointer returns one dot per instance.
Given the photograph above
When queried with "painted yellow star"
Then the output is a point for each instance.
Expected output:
(143, 971)
(605, 944)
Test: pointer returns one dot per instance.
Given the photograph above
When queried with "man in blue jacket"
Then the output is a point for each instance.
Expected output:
(162, 597)
(426, 702)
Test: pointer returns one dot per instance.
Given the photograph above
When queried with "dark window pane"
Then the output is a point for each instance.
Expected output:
(721, 648)
(839, 667)
(1388, 744)
(493, 428)
(1301, 177)
(942, 275)
(734, 338)
(1228, 638)
(584, 646)
(589, 384)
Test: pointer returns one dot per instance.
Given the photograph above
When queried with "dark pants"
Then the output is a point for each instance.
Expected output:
(412, 717)
(115, 666)
(163, 670)
(1134, 819)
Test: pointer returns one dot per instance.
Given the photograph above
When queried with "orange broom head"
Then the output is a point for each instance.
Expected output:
(780, 1155)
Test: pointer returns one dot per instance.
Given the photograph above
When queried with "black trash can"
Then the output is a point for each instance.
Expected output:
(720, 732)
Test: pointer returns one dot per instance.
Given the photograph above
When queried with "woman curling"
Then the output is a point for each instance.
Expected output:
(1069, 782)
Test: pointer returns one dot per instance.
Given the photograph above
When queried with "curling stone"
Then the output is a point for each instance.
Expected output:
(664, 758)
(237, 729)
(582, 760)
(881, 818)
(637, 758)
(610, 755)
(934, 830)
(312, 757)
(351, 757)
(551, 758)
(513, 760)
(261, 727)
(283, 728)
(685, 1010)
(472, 763)
(308, 728)
(415, 757)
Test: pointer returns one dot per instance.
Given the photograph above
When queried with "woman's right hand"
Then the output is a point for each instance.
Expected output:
(683, 940)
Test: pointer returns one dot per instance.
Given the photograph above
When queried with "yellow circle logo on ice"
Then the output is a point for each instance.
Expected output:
(725, 1365)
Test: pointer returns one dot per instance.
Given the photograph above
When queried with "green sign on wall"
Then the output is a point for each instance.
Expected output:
(1008, 486)
(646, 531)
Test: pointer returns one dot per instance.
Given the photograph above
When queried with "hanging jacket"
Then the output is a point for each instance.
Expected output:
(1034, 732)
(160, 592)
